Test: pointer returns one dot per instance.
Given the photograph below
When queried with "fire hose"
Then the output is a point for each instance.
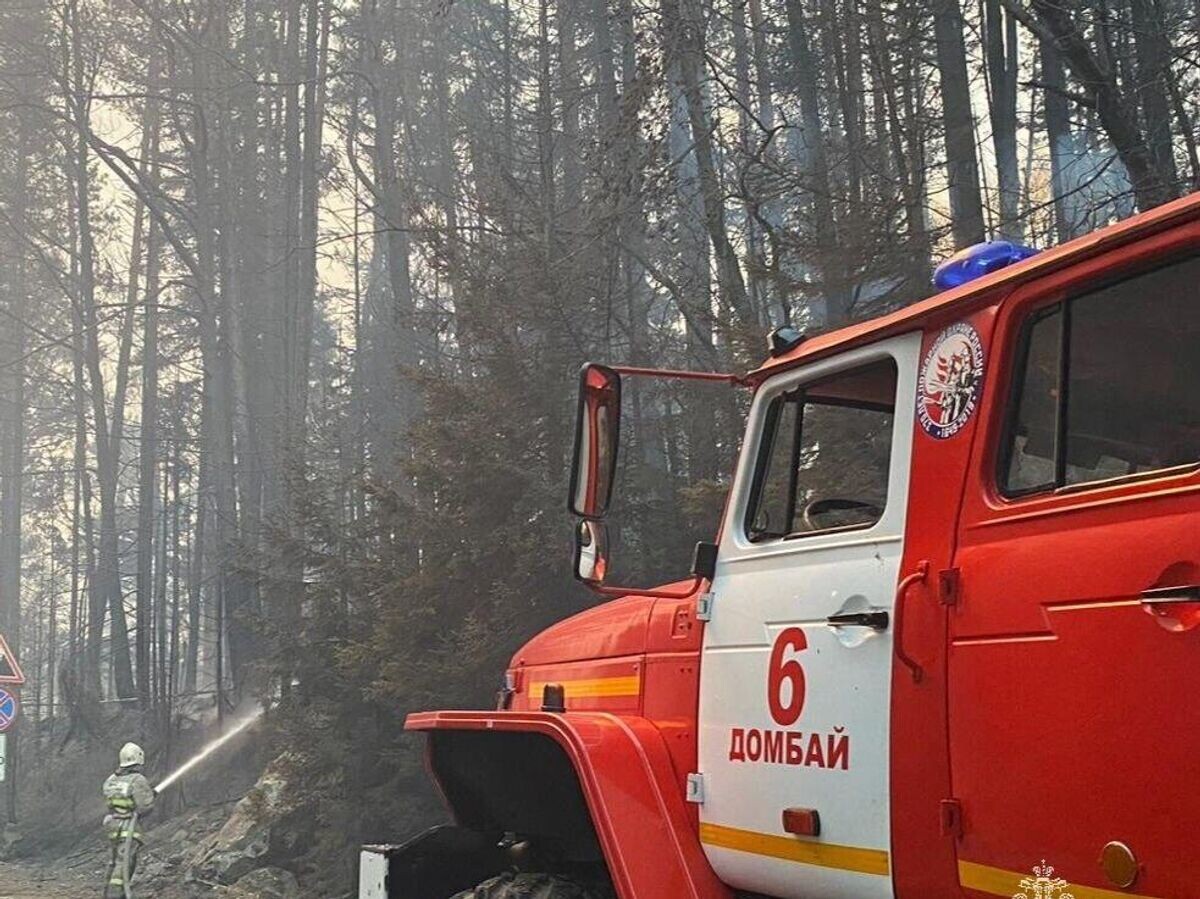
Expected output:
(129, 826)
(127, 873)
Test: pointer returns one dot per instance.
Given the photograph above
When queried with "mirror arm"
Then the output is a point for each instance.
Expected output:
(680, 374)
(690, 590)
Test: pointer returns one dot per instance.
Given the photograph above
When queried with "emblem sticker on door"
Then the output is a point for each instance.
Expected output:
(951, 381)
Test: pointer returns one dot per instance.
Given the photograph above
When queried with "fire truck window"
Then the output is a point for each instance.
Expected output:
(1035, 434)
(1131, 401)
(826, 456)
(772, 516)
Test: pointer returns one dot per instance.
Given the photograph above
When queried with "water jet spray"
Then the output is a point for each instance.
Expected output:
(208, 750)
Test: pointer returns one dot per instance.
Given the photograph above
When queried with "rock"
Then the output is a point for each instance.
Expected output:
(242, 842)
(260, 831)
(263, 883)
(156, 872)
(230, 859)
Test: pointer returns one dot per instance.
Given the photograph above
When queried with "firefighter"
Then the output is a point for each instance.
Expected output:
(130, 799)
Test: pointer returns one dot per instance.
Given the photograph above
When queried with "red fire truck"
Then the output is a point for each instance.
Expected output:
(941, 646)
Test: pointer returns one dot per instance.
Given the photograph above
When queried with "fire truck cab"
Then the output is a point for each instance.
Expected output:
(941, 646)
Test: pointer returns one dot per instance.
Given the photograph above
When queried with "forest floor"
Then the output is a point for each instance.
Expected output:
(83, 872)
(29, 881)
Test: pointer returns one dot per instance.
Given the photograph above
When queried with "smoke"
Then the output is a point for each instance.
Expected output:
(209, 749)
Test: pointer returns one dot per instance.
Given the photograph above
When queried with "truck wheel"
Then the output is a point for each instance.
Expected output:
(526, 886)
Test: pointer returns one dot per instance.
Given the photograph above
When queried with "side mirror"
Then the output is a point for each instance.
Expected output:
(597, 435)
(591, 552)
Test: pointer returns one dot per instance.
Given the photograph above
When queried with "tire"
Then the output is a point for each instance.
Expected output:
(526, 886)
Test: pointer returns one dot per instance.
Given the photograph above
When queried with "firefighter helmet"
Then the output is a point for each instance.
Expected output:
(131, 754)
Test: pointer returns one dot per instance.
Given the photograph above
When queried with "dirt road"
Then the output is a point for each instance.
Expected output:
(29, 882)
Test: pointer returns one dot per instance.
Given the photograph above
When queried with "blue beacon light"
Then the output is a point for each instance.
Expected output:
(977, 261)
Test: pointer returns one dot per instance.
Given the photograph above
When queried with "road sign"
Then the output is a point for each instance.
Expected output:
(9, 709)
(10, 669)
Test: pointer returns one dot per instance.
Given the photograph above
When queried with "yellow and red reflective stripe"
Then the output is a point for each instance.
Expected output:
(1001, 882)
(590, 688)
(793, 849)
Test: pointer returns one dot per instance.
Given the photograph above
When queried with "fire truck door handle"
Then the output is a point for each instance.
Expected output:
(1190, 593)
(876, 620)
(902, 591)
(1175, 609)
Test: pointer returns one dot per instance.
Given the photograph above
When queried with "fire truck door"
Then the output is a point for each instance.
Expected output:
(1074, 731)
(795, 676)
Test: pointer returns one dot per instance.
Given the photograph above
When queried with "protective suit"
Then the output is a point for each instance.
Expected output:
(130, 799)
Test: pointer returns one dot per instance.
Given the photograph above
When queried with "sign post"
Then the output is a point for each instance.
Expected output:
(11, 676)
